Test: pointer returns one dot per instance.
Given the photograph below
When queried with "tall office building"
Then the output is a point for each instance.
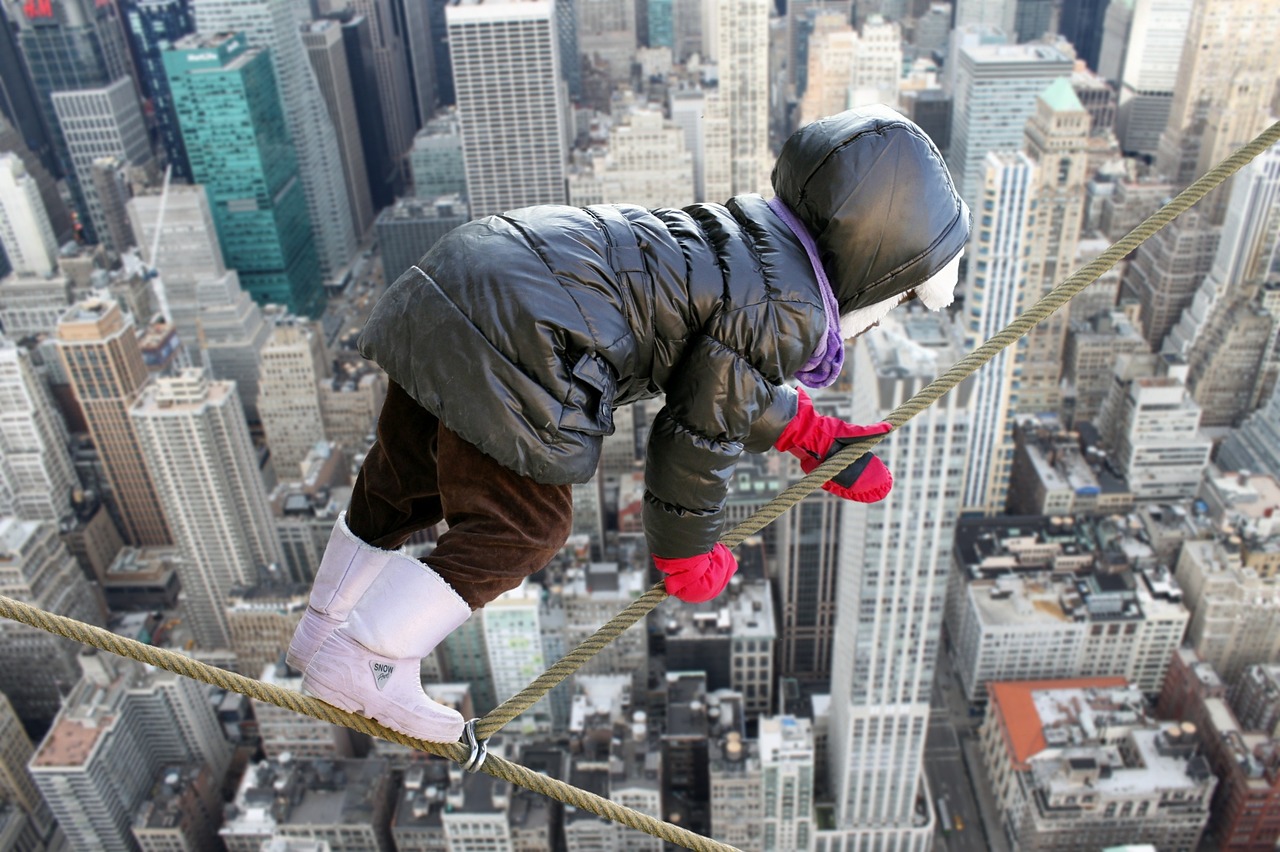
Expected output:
(11, 140)
(293, 362)
(76, 44)
(328, 55)
(245, 158)
(1166, 271)
(98, 345)
(152, 26)
(1081, 23)
(1226, 79)
(1148, 64)
(273, 27)
(436, 159)
(25, 230)
(513, 636)
(19, 104)
(607, 36)
(386, 178)
(96, 123)
(995, 88)
(1226, 334)
(34, 461)
(1256, 444)
(16, 783)
(741, 51)
(1000, 14)
(506, 72)
(846, 67)
(218, 321)
(197, 446)
(895, 556)
(786, 765)
(395, 90)
(644, 162)
(120, 725)
(36, 667)
(1056, 138)
(808, 562)
(997, 272)
(422, 57)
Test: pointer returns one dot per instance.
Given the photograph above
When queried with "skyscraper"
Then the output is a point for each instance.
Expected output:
(328, 55)
(995, 88)
(37, 668)
(273, 27)
(241, 151)
(1226, 78)
(895, 556)
(1001, 14)
(741, 50)
(80, 46)
(197, 446)
(1149, 71)
(1056, 138)
(25, 230)
(98, 345)
(1167, 269)
(34, 461)
(506, 73)
(152, 26)
(59, 216)
(422, 57)
(1081, 23)
(96, 123)
(997, 271)
(120, 725)
(395, 91)
(292, 364)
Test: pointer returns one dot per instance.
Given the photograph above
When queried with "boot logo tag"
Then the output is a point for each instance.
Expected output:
(381, 671)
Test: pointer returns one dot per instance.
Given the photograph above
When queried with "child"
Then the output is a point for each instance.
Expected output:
(513, 340)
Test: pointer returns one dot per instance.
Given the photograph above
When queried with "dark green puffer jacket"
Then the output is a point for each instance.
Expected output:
(522, 332)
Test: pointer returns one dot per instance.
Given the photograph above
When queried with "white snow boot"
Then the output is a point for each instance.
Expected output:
(371, 665)
(346, 570)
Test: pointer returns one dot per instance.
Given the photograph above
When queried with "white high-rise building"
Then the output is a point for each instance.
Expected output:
(895, 556)
(644, 162)
(850, 69)
(16, 783)
(121, 724)
(688, 112)
(786, 764)
(274, 25)
(197, 448)
(995, 88)
(513, 635)
(741, 38)
(292, 364)
(36, 473)
(25, 230)
(1149, 70)
(102, 122)
(210, 310)
(36, 667)
(997, 269)
(511, 102)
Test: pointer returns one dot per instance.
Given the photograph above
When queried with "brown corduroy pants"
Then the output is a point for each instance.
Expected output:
(502, 526)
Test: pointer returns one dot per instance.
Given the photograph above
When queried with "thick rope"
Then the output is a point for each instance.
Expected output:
(925, 397)
(179, 664)
(494, 765)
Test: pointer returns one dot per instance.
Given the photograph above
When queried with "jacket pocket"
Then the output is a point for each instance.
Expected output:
(589, 405)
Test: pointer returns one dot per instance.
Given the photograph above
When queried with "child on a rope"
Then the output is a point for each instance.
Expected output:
(512, 341)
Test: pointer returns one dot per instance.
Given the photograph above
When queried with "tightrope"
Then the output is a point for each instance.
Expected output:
(494, 721)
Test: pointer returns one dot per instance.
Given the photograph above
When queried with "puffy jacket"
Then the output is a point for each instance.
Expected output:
(522, 332)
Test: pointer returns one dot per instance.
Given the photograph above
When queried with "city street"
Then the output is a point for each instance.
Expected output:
(951, 763)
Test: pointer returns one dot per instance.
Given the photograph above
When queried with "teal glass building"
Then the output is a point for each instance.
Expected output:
(233, 126)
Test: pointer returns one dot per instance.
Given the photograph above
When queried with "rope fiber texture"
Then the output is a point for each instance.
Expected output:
(500, 768)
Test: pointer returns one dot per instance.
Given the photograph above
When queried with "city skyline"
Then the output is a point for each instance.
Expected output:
(1072, 591)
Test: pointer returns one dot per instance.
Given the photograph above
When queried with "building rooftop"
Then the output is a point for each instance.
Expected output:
(71, 741)
(1061, 96)
(1030, 708)
(308, 792)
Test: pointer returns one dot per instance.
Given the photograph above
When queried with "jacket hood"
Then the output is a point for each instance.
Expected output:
(873, 190)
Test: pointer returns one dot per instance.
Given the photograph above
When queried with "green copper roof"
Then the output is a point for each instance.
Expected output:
(1061, 97)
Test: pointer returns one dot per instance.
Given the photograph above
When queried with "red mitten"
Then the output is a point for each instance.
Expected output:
(812, 437)
(695, 579)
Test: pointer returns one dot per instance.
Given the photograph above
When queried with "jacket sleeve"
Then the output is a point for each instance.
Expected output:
(718, 405)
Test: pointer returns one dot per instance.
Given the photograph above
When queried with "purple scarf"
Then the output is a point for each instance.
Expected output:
(824, 365)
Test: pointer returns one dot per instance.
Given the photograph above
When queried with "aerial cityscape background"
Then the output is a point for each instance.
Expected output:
(1061, 631)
